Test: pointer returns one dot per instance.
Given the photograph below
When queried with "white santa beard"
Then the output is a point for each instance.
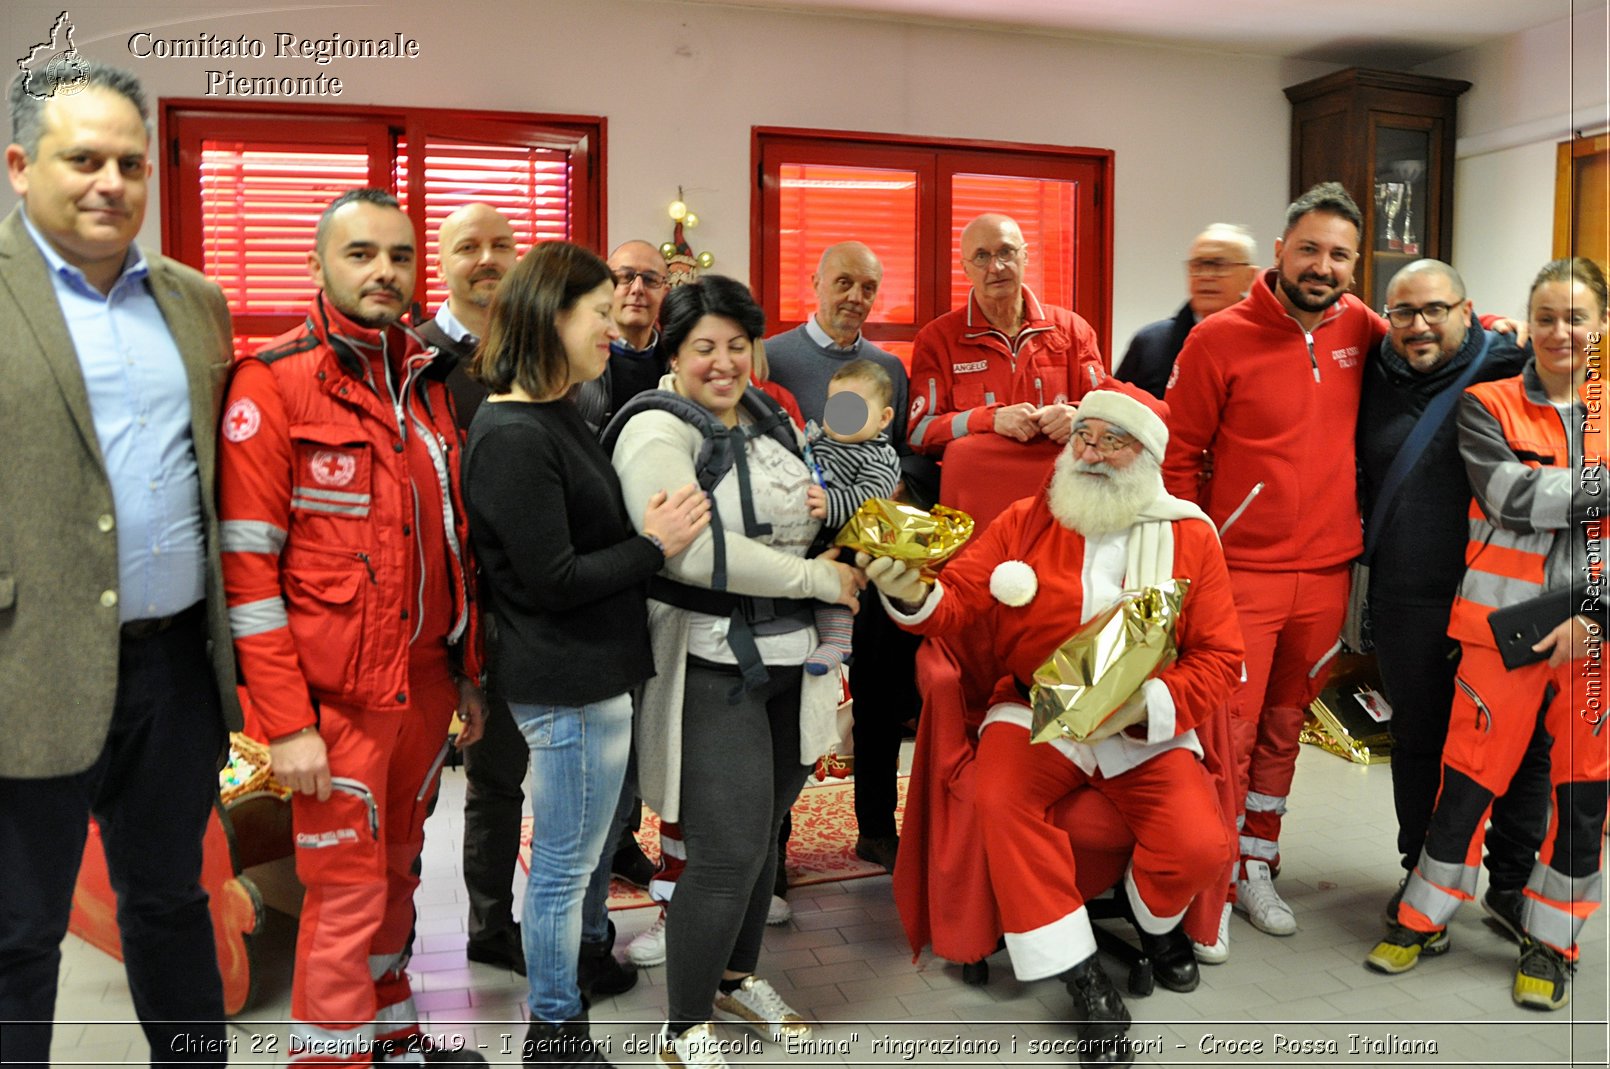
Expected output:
(1094, 505)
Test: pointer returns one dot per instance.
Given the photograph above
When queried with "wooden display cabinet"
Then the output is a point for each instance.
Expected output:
(1389, 139)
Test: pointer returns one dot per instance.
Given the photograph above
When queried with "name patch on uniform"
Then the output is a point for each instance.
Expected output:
(321, 839)
(1347, 357)
(975, 365)
(242, 420)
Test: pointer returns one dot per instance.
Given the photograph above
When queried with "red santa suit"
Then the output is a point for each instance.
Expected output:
(1154, 777)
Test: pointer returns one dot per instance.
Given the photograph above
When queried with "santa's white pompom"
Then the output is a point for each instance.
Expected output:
(1013, 583)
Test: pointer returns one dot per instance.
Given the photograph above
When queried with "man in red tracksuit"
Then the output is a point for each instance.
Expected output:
(1005, 363)
(1263, 402)
(346, 571)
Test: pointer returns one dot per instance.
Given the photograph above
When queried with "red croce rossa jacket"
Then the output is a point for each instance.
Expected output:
(1274, 406)
(325, 577)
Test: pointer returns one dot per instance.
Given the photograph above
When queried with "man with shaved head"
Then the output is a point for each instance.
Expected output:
(1219, 268)
(475, 248)
(1416, 530)
(1005, 363)
(882, 675)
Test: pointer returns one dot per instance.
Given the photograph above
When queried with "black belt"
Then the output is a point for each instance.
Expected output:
(150, 628)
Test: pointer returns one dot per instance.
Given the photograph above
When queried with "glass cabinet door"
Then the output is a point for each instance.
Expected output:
(1401, 207)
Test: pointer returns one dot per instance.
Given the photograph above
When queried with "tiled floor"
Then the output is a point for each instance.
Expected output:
(843, 962)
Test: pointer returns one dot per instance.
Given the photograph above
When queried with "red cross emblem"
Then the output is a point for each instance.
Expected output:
(331, 468)
(242, 420)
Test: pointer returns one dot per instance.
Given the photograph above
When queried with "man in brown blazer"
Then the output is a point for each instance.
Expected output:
(114, 643)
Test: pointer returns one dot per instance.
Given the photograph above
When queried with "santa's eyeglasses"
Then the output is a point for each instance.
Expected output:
(1106, 444)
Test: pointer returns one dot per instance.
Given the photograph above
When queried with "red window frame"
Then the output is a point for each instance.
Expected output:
(935, 161)
(185, 124)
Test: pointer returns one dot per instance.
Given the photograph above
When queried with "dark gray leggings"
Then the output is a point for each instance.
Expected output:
(740, 775)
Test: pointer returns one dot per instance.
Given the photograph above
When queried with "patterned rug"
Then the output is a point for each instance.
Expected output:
(821, 849)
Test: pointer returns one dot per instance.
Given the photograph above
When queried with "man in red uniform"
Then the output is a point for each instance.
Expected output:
(1005, 363)
(346, 570)
(1263, 402)
(1045, 566)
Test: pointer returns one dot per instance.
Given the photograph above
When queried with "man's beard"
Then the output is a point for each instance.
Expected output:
(1097, 499)
(1305, 303)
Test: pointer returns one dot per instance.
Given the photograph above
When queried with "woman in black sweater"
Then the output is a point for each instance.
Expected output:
(566, 574)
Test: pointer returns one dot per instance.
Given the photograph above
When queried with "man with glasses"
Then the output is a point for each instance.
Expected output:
(1004, 363)
(1103, 526)
(1264, 402)
(1218, 270)
(642, 279)
(1417, 527)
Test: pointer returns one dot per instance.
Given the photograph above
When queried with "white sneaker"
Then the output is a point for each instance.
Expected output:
(697, 1048)
(779, 912)
(648, 947)
(758, 1005)
(1219, 952)
(1257, 898)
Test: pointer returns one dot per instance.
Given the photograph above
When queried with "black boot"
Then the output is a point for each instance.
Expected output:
(598, 974)
(563, 1044)
(1101, 1015)
(1173, 960)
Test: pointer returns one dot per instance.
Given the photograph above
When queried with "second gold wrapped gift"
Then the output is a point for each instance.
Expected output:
(1093, 675)
(915, 536)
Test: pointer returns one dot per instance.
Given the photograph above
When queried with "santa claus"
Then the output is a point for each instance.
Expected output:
(1103, 526)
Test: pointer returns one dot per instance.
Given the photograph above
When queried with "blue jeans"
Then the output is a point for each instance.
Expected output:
(578, 762)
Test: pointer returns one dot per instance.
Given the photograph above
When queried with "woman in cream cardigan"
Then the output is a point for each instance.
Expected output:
(729, 726)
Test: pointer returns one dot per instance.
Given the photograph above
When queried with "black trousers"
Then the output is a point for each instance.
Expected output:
(494, 793)
(1418, 662)
(883, 682)
(152, 791)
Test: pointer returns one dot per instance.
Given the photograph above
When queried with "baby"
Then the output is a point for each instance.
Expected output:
(854, 462)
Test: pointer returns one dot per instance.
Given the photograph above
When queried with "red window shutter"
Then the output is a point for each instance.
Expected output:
(247, 185)
(260, 206)
(1044, 210)
(531, 185)
(822, 205)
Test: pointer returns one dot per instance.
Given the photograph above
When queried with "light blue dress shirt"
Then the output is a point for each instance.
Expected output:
(139, 398)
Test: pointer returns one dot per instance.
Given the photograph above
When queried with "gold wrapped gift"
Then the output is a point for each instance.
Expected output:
(924, 538)
(1349, 718)
(1092, 675)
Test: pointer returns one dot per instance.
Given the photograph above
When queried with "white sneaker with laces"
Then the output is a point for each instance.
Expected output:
(757, 1004)
(1219, 952)
(779, 912)
(697, 1048)
(648, 947)
(1257, 898)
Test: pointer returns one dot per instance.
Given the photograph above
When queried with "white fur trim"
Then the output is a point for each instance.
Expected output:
(1014, 713)
(1149, 922)
(1126, 414)
(925, 611)
(1161, 713)
(1014, 583)
(1051, 948)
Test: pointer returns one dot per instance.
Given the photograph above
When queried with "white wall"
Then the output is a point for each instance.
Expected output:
(1530, 91)
(1198, 136)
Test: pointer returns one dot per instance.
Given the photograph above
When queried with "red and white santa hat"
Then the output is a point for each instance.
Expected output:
(1131, 411)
